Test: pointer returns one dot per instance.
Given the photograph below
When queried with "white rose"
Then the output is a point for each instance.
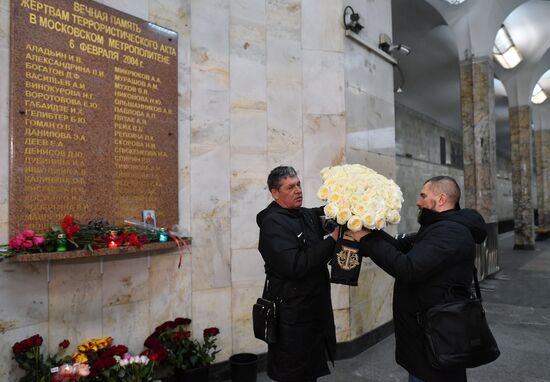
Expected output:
(343, 203)
(380, 223)
(343, 216)
(368, 221)
(334, 197)
(355, 224)
(331, 181)
(376, 205)
(324, 173)
(331, 210)
(393, 217)
(323, 192)
(359, 209)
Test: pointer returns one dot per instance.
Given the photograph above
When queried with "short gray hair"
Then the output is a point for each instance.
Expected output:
(279, 173)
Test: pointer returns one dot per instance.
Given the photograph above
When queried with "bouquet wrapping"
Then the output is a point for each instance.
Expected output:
(357, 197)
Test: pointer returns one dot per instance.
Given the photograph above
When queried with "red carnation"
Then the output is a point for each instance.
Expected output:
(70, 227)
(211, 332)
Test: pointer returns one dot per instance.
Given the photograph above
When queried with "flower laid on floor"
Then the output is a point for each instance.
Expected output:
(182, 351)
(28, 355)
(358, 197)
(70, 372)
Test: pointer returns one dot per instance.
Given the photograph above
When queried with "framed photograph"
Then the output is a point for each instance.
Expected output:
(149, 217)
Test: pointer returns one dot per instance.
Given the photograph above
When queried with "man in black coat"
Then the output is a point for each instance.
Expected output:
(296, 255)
(425, 265)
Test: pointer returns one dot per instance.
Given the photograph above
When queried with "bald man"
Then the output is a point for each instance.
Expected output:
(425, 265)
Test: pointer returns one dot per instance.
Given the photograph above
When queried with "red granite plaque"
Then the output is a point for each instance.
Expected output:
(93, 115)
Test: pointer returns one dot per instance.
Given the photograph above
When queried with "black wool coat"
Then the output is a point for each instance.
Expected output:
(296, 255)
(424, 266)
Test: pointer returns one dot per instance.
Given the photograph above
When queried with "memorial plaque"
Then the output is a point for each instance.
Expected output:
(93, 115)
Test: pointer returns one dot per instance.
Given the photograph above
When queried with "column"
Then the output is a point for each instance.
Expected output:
(479, 148)
(520, 135)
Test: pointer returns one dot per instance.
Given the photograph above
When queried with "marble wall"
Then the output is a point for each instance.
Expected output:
(542, 168)
(260, 83)
(370, 139)
(414, 133)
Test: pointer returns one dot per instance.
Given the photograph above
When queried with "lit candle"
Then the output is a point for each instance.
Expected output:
(112, 241)
(163, 235)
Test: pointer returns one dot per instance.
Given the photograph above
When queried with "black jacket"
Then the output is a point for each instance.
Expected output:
(296, 255)
(441, 255)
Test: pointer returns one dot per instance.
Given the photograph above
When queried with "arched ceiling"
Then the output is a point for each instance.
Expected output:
(432, 73)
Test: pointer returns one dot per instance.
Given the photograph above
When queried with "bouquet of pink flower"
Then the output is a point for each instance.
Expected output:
(27, 239)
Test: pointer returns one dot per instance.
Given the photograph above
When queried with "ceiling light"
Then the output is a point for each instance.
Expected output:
(504, 50)
(539, 95)
(454, 2)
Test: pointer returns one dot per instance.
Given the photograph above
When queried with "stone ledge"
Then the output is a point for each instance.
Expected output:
(83, 253)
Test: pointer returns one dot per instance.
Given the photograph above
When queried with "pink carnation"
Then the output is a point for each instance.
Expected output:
(17, 242)
(28, 233)
(27, 244)
(38, 240)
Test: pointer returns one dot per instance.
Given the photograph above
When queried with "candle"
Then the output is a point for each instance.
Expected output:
(163, 235)
(112, 239)
(61, 242)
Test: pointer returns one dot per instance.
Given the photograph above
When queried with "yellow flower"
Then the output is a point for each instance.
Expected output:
(80, 358)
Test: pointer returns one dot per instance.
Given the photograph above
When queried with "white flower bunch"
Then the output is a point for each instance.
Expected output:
(129, 359)
(358, 197)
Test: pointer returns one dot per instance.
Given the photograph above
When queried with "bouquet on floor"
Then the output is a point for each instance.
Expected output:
(357, 197)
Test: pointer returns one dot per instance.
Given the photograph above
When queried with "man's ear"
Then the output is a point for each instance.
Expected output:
(443, 199)
(275, 193)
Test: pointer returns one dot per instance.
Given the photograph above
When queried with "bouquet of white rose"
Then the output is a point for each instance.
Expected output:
(359, 197)
(356, 197)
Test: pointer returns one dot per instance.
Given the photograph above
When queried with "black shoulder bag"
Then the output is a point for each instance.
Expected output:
(264, 318)
(456, 333)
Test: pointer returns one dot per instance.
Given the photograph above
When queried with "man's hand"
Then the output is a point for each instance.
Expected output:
(357, 236)
(335, 233)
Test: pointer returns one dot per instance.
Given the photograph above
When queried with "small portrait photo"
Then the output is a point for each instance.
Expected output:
(149, 217)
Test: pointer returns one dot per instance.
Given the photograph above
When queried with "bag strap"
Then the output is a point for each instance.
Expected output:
(476, 283)
(274, 297)
(421, 311)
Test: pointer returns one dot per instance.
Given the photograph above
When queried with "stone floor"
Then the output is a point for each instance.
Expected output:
(517, 300)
